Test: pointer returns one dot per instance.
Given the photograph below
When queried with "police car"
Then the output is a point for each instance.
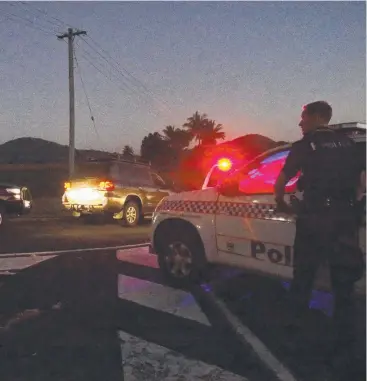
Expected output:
(210, 226)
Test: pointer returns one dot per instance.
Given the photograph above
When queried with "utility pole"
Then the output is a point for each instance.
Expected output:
(70, 36)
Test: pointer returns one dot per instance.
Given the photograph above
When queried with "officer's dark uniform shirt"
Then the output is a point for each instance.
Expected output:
(327, 161)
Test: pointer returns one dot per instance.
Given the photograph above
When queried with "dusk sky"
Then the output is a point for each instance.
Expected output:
(248, 65)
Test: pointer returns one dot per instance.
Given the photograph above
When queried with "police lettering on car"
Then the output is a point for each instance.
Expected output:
(259, 250)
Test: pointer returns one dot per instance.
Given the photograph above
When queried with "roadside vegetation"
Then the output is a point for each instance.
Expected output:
(180, 154)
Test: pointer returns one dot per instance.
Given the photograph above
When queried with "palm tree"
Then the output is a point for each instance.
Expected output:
(176, 138)
(212, 132)
(153, 148)
(127, 152)
(195, 125)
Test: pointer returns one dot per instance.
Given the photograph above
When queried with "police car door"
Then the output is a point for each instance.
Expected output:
(249, 233)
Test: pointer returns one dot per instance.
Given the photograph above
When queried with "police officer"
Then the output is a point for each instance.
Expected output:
(326, 226)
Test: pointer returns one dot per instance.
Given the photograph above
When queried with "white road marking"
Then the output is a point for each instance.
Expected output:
(138, 256)
(56, 252)
(280, 370)
(161, 298)
(20, 261)
(8, 264)
(143, 360)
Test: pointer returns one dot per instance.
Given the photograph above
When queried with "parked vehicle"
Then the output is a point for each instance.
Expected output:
(238, 227)
(122, 190)
(15, 200)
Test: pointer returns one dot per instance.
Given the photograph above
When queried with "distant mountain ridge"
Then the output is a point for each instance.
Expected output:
(36, 150)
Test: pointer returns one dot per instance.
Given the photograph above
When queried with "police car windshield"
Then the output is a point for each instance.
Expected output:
(264, 158)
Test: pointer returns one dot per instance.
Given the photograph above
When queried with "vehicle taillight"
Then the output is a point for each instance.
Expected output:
(67, 185)
(106, 186)
(224, 164)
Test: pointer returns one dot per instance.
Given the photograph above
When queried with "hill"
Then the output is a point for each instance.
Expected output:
(35, 150)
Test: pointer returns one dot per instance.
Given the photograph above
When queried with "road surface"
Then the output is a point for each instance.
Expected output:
(91, 316)
(30, 235)
(98, 315)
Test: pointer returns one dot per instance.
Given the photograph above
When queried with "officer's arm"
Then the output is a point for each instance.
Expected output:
(291, 167)
(361, 188)
(279, 187)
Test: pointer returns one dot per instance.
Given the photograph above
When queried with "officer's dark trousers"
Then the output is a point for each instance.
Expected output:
(317, 240)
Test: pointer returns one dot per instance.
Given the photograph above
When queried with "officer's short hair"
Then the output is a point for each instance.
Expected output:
(320, 108)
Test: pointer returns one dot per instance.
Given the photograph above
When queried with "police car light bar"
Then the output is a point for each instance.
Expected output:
(349, 125)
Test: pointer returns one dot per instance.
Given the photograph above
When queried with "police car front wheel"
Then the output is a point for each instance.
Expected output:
(181, 258)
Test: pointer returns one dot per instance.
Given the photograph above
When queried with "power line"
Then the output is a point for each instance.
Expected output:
(113, 66)
(117, 66)
(106, 76)
(119, 72)
(133, 79)
(29, 8)
(118, 85)
(130, 82)
(127, 72)
(43, 12)
(86, 96)
(12, 17)
(97, 68)
(125, 85)
(40, 26)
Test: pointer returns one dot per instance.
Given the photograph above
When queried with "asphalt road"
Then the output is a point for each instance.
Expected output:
(260, 304)
(91, 316)
(31, 235)
(86, 316)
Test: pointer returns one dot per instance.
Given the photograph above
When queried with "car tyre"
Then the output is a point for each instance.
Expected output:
(132, 214)
(181, 256)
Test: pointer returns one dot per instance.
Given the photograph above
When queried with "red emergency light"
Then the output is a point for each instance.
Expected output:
(224, 164)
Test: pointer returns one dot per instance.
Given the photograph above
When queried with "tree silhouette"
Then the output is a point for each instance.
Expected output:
(176, 138)
(128, 152)
(195, 125)
(154, 149)
(211, 132)
(205, 131)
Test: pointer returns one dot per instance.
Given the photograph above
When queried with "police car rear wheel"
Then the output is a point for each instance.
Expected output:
(180, 257)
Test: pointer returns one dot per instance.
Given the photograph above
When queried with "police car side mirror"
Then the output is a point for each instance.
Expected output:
(229, 189)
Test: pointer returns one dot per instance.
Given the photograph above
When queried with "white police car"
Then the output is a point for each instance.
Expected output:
(197, 228)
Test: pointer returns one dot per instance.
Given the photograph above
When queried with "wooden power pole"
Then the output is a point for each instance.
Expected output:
(70, 36)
